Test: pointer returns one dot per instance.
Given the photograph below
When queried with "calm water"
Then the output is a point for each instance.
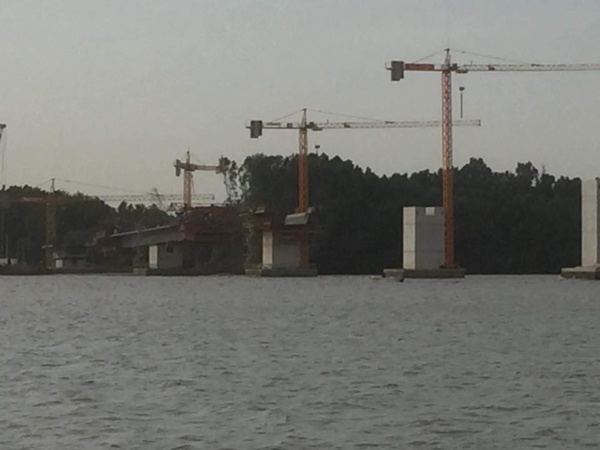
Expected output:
(94, 362)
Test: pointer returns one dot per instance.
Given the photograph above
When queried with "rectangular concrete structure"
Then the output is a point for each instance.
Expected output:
(423, 237)
(280, 251)
(165, 256)
(423, 246)
(590, 233)
(280, 257)
(277, 248)
(590, 222)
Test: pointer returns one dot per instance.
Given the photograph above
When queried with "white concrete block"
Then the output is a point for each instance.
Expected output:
(409, 237)
(267, 249)
(423, 237)
(153, 256)
(590, 222)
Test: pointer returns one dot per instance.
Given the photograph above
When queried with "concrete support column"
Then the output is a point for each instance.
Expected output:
(267, 249)
(590, 233)
(423, 237)
(590, 222)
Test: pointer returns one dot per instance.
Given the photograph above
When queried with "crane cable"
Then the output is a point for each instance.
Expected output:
(331, 113)
(347, 115)
(479, 55)
(286, 116)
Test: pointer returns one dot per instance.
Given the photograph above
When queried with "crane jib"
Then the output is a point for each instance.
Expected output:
(464, 68)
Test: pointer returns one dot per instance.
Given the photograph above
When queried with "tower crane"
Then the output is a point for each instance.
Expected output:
(398, 68)
(257, 126)
(188, 168)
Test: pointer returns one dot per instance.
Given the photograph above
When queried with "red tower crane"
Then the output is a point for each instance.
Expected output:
(188, 167)
(257, 126)
(398, 68)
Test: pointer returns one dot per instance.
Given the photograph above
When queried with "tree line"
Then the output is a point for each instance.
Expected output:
(78, 219)
(525, 221)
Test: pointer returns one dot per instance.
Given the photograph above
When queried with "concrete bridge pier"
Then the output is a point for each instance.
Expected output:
(423, 243)
(590, 233)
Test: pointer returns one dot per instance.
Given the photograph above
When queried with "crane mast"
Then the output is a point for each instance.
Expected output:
(303, 165)
(447, 170)
(398, 69)
(303, 187)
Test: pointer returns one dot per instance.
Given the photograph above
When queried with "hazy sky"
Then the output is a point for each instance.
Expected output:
(111, 92)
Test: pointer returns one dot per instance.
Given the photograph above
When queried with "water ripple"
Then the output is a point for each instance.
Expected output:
(337, 363)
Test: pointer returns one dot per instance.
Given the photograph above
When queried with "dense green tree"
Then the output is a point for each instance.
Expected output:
(521, 222)
(78, 218)
(526, 221)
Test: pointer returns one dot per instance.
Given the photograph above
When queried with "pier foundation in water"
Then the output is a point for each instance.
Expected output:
(279, 245)
(423, 245)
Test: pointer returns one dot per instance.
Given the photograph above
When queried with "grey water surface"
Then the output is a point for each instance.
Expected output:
(123, 362)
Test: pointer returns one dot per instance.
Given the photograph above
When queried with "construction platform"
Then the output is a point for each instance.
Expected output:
(581, 272)
(258, 271)
(401, 273)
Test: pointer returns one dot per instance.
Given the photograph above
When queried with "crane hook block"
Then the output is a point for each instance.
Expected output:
(256, 127)
(177, 167)
(397, 69)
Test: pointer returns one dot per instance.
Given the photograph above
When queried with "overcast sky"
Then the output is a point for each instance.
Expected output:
(111, 92)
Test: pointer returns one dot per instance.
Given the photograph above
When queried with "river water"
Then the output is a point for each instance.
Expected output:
(123, 362)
